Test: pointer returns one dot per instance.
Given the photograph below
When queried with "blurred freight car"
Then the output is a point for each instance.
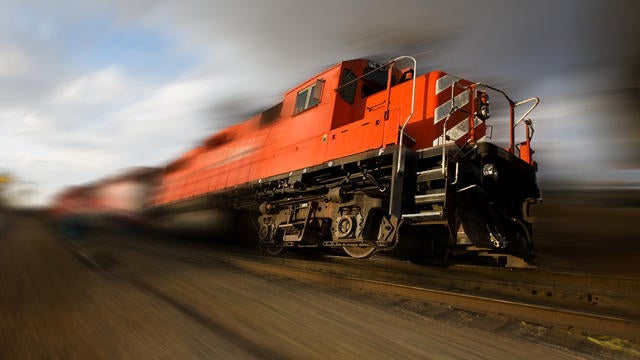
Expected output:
(358, 152)
(111, 202)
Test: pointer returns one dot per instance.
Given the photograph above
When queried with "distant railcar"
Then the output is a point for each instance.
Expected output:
(117, 200)
(359, 151)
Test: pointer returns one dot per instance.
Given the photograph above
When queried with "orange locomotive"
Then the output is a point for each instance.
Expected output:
(358, 152)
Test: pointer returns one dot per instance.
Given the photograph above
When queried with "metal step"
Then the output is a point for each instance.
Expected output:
(292, 231)
(431, 174)
(430, 198)
(424, 216)
(436, 151)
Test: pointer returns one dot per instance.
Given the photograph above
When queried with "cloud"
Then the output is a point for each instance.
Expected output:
(13, 62)
(99, 87)
(99, 123)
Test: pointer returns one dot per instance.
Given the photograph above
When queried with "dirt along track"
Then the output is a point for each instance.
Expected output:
(595, 304)
(590, 305)
(589, 231)
(114, 302)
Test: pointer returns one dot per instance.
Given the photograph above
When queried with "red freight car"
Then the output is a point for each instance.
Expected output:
(117, 200)
(359, 150)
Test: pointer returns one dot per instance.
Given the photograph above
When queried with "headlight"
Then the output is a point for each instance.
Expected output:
(490, 171)
(482, 106)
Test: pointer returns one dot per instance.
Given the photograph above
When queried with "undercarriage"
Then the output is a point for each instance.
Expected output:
(360, 203)
(477, 203)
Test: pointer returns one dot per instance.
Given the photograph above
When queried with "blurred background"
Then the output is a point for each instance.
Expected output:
(91, 89)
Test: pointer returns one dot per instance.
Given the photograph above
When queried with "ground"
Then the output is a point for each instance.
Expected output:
(57, 304)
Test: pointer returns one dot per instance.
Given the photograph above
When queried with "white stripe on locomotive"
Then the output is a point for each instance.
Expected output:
(443, 110)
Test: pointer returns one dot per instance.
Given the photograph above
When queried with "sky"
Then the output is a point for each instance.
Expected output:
(89, 89)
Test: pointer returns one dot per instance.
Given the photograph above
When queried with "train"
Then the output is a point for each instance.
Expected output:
(362, 158)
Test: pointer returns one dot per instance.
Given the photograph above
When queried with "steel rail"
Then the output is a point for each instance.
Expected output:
(342, 275)
(540, 314)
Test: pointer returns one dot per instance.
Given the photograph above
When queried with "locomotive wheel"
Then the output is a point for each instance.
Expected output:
(276, 247)
(273, 250)
(359, 252)
(523, 245)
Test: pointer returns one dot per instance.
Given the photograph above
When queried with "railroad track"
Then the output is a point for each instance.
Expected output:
(596, 305)
(537, 313)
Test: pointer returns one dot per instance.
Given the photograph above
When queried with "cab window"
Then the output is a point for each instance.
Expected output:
(374, 81)
(271, 115)
(308, 97)
(348, 88)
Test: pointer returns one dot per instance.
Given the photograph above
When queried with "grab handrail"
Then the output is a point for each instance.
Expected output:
(535, 98)
(413, 100)
(512, 124)
(395, 200)
(453, 109)
(512, 106)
